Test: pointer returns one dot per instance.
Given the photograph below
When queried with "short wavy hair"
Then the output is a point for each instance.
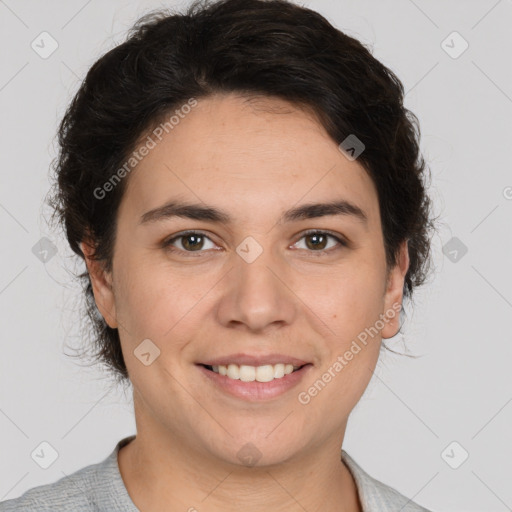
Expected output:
(263, 48)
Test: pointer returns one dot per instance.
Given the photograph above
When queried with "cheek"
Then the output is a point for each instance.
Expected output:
(351, 306)
(350, 299)
(152, 300)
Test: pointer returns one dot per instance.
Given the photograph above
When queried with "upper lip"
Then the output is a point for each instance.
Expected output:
(254, 360)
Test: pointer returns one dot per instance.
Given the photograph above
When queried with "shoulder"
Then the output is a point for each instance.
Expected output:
(92, 488)
(72, 492)
(375, 496)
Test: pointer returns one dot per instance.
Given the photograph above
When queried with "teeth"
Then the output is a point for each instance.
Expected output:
(247, 373)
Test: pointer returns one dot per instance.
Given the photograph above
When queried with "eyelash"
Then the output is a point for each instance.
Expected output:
(167, 244)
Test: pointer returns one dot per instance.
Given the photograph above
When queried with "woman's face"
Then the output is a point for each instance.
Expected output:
(253, 288)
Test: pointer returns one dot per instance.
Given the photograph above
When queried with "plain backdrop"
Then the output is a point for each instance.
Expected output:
(419, 418)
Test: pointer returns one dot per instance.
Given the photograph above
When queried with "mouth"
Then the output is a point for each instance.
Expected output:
(254, 383)
(247, 373)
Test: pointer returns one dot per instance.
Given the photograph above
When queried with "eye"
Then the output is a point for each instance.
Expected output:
(316, 241)
(192, 241)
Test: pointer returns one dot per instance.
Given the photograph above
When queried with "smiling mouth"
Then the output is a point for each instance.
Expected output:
(246, 373)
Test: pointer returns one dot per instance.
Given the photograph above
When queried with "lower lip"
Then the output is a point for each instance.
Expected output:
(256, 391)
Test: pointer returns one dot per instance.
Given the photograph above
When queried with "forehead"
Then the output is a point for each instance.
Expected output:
(247, 155)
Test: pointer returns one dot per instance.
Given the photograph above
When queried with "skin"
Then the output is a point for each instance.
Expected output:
(255, 164)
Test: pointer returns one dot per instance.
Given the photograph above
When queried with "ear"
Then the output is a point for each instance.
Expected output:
(101, 281)
(394, 293)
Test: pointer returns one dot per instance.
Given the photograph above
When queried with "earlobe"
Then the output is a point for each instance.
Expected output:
(101, 282)
(394, 293)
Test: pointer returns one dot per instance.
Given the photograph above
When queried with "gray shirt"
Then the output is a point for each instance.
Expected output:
(100, 488)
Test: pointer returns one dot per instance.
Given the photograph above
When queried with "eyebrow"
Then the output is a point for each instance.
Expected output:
(195, 211)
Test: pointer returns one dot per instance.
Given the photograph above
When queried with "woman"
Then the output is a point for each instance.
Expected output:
(246, 189)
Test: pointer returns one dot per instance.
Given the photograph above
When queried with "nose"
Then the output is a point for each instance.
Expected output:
(257, 296)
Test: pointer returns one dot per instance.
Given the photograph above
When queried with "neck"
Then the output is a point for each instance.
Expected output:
(166, 470)
(166, 474)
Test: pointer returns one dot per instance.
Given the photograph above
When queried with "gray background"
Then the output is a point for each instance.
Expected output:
(459, 390)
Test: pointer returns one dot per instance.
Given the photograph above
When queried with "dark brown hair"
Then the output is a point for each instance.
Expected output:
(256, 47)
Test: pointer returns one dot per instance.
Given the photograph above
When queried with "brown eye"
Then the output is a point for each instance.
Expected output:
(317, 241)
(190, 241)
